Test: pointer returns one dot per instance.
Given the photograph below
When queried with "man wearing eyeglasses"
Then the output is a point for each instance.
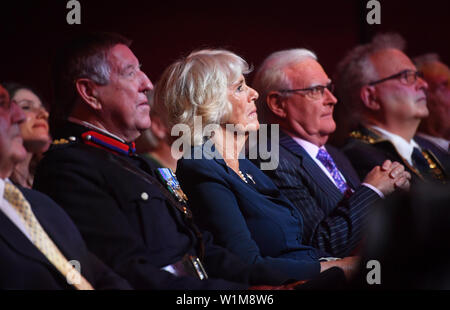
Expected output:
(296, 93)
(387, 94)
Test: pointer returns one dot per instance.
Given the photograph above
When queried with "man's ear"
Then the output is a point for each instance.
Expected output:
(87, 89)
(369, 97)
(276, 104)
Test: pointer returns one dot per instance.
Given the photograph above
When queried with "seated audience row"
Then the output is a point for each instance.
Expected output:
(127, 221)
(38, 238)
(133, 217)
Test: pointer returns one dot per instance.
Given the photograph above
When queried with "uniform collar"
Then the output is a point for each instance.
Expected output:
(96, 128)
(101, 140)
(403, 147)
(96, 137)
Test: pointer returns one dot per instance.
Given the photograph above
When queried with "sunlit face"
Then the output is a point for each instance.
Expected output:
(242, 98)
(124, 101)
(306, 118)
(12, 150)
(399, 101)
(437, 76)
(34, 129)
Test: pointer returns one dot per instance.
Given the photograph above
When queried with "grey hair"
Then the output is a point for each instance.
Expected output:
(95, 67)
(197, 86)
(356, 69)
(272, 76)
(85, 56)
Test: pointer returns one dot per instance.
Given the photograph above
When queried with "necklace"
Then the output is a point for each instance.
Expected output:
(241, 175)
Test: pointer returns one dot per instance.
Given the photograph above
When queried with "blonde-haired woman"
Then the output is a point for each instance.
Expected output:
(230, 196)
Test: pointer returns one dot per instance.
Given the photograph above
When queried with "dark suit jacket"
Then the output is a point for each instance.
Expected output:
(128, 221)
(333, 223)
(253, 220)
(441, 155)
(366, 149)
(23, 266)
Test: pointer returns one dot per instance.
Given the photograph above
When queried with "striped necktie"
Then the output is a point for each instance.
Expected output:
(40, 238)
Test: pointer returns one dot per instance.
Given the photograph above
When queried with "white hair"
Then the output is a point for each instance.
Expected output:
(197, 86)
(271, 76)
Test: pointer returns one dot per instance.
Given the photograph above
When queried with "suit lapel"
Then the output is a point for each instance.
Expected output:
(385, 145)
(17, 240)
(307, 163)
(50, 228)
(441, 157)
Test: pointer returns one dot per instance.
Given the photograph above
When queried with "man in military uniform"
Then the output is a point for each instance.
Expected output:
(296, 94)
(139, 226)
(383, 88)
(37, 238)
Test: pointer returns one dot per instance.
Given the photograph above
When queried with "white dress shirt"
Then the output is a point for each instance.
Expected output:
(403, 147)
(10, 211)
(313, 150)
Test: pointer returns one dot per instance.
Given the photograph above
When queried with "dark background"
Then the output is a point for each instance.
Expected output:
(163, 31)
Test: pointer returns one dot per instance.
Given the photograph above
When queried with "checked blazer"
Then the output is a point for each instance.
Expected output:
(332, 222)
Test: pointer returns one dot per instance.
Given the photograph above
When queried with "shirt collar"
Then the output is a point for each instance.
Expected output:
(309, 147)
(403, 147)
(2, 186)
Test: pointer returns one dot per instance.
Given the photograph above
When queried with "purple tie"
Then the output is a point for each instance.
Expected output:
(328, 162)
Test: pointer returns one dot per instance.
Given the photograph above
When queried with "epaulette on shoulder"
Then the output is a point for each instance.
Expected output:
(63, 142)
(356, 134)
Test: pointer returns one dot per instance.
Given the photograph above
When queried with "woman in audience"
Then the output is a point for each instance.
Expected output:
(34, 131)
(230, 196)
